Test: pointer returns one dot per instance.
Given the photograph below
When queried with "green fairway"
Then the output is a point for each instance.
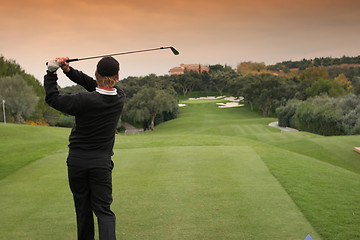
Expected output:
(22, 144)
(204, 192)
(209, 174)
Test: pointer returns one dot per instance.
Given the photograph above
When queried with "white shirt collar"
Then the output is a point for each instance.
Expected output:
(106, 92)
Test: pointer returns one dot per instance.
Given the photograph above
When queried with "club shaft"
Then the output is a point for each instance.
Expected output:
(116, 54)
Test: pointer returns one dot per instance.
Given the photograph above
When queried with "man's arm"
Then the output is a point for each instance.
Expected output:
(65, 103)
(76, 76)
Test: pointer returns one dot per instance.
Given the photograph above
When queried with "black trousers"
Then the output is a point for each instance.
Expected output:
(90, 181)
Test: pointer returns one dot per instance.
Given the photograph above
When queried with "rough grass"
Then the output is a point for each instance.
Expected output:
(210, 174)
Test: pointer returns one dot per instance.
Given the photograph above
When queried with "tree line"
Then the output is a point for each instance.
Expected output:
(153, 99)
(317, 62)
(263, 92)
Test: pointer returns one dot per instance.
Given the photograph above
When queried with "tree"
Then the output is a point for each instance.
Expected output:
(204, 82)
(250, 89)
(307, 78)
(8, 67)
(221, 80)
(149, 103)
(344, 81)
(324, 86)
(18, 95)
(186, 83)
(254, 68)
(216, 67)
(267, 91)
(314, 73)
(219, 67)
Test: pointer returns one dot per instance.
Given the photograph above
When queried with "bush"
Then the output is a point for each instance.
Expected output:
(319, 119)
(286, 114)
(166, 116)
(348, 103)
(356, 129)
(323, 115)
(37, 123)
(350, 120)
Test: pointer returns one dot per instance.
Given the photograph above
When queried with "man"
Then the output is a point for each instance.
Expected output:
(97, 113)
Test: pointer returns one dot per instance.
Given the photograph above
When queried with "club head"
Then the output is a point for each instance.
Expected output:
(174, 51)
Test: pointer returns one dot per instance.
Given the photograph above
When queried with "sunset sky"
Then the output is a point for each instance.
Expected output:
(206, 32)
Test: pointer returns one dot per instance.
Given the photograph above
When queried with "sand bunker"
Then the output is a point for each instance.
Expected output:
(233, 102)
(229, 105)
(207, 98)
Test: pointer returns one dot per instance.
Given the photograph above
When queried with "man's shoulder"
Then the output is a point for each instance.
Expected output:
(84, 96)
(120, 92)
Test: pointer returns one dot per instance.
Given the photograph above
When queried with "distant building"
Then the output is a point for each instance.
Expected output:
(188, 68)
(176, 71)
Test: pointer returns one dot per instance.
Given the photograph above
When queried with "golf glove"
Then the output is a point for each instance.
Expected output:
(52, 66)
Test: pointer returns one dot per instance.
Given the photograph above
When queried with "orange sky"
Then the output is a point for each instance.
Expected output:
(206, 32)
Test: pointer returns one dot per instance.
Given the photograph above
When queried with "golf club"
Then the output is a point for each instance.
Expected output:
(123, 53)
(115, 54)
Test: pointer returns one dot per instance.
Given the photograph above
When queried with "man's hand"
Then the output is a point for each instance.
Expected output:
(63, 64)
(52, 66)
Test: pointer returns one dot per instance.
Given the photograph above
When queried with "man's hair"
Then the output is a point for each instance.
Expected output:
(106, 81)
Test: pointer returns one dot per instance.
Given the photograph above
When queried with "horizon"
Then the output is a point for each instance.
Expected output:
(204, 32)
(208, 65)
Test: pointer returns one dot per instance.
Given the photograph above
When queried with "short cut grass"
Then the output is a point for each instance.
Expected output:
(209, 174)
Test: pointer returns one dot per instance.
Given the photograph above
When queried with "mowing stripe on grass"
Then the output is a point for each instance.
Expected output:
(23, 144)
(175, 183)
(36, 202)
(336, 150)
(327, 195)
(202, 193)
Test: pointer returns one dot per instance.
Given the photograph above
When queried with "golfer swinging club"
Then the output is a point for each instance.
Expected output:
(97, 113)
